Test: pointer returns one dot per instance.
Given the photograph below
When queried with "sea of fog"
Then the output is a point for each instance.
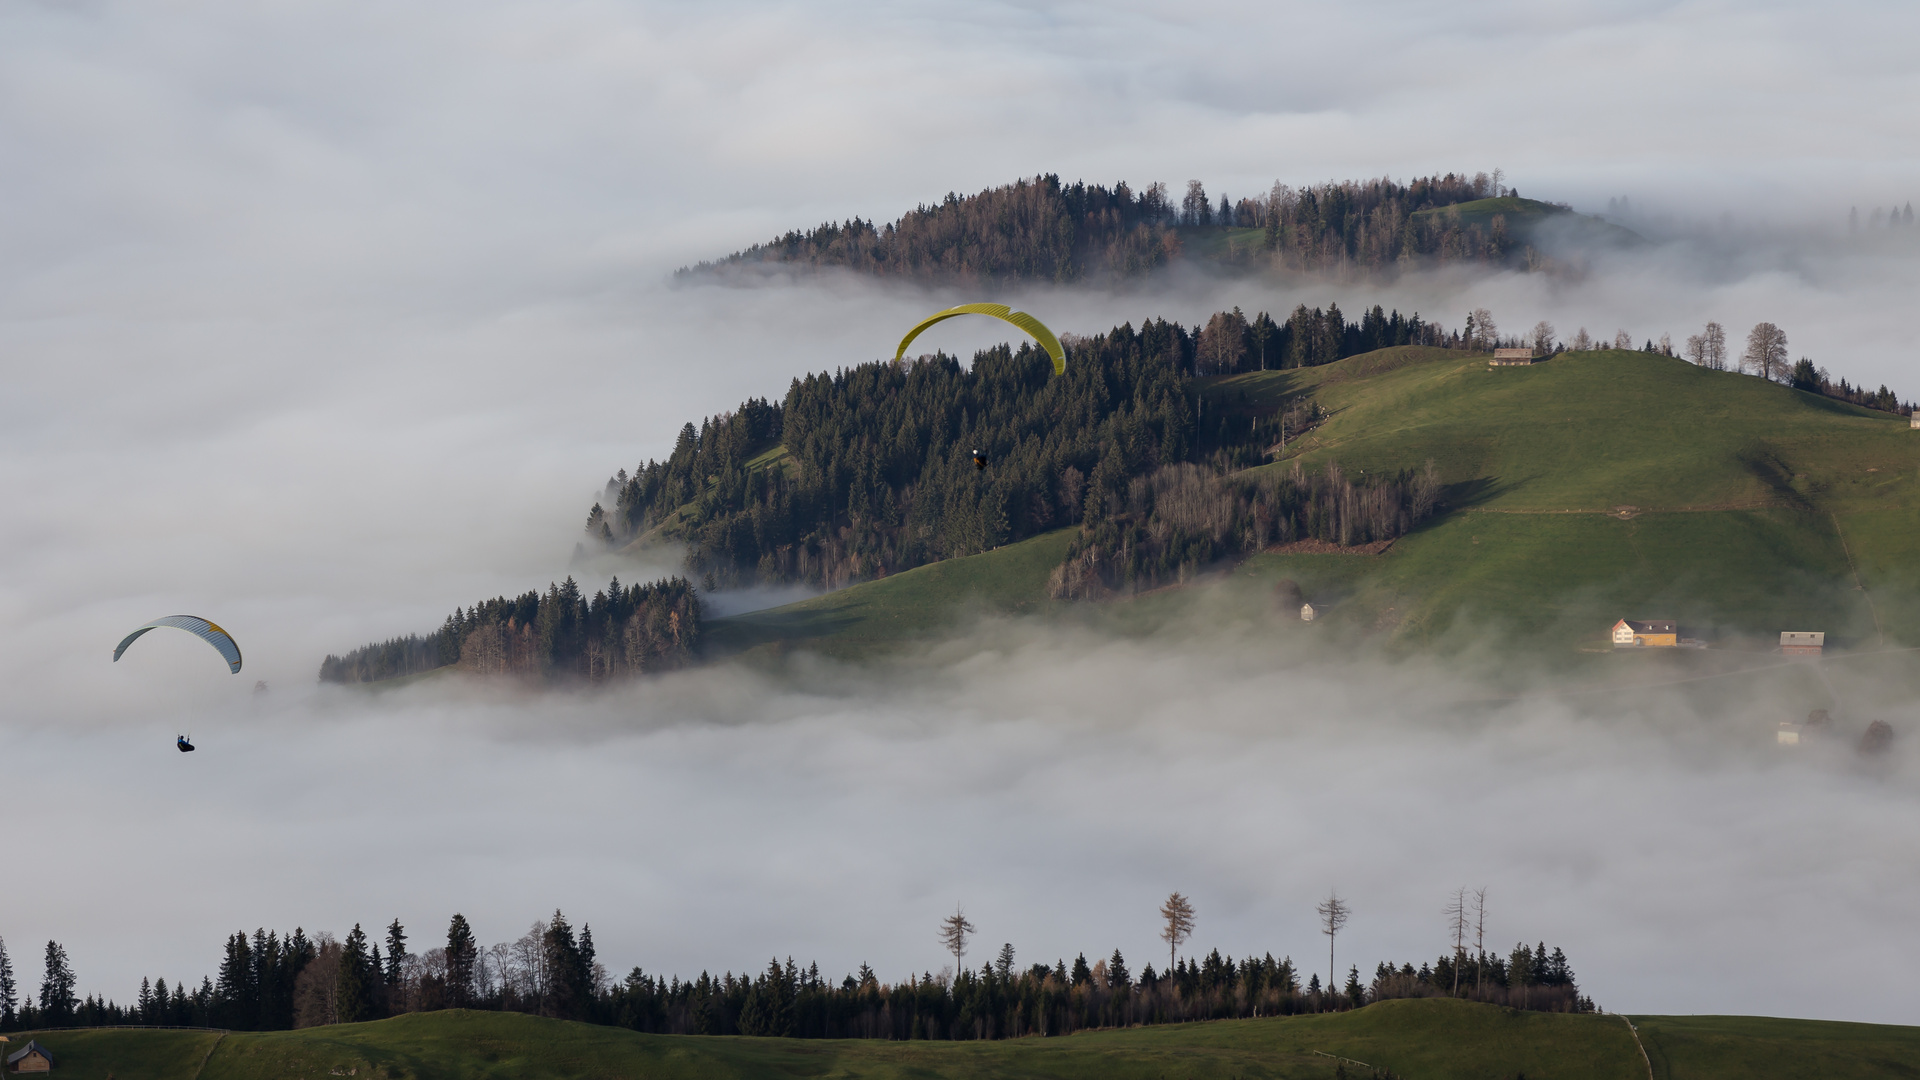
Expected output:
(313, 483)
(320, 320)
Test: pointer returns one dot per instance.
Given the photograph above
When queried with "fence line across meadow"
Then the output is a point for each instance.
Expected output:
(117, 1027)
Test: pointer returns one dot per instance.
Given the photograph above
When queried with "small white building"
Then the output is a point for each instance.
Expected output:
(1306, 612)
(1802, 642)
(1913, 419)
(1788, 734)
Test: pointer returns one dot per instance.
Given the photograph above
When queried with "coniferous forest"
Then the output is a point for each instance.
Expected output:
(268, 981)
(878, 474)
(619, 630)
(1041, 229)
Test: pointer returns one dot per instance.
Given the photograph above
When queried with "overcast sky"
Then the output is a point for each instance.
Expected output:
(319, 319)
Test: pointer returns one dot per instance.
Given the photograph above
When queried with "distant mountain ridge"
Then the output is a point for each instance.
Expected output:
(1040, 229)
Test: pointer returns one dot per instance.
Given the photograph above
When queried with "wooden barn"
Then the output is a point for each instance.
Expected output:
(1647, 633)
(1511, 358)
(31, 1058)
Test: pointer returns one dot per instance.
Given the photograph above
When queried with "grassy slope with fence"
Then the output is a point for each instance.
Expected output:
(1423, 1039)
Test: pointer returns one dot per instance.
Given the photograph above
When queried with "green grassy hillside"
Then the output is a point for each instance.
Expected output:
(1421, 1040)
(1005, 581)
(1525, 217)
(1583, 489)
(1602, 484)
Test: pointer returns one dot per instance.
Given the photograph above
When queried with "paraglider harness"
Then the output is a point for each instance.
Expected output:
(979, 460)
(184, 744)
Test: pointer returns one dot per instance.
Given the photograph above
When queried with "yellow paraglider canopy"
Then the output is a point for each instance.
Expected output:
(1020, 319)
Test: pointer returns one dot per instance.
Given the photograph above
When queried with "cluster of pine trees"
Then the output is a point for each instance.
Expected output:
(1816, 380)
(271, 982)
(879, 476)
(1528, 978)
(619, 630)
(1182, 518)
(1040, 229)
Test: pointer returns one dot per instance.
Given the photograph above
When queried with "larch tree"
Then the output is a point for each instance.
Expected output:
(1334, 913)
(1457, 915)
(954, 930)
(1479, 937)
(1178, 913)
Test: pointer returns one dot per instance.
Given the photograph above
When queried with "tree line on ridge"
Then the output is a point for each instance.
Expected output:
(269, 981)
(1041, 229)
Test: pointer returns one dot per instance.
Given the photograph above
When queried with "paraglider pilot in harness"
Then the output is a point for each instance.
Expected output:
(185, 745)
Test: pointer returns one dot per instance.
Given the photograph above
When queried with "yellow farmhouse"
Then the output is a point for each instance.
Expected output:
(1649, 634)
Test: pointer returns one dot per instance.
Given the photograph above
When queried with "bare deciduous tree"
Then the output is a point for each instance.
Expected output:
(1713, 342)
(1542, 337)
(1482, 332)
(1666, 344)
(953, 934)
(1179, 915)
(1622, 339)
(1581, 342)
(1766, 354)
(1333, 917)
(1479, 937)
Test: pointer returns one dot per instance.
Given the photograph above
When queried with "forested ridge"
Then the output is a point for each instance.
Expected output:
(1041, 229)
(268, 981)
(879, 477)
(564, 633)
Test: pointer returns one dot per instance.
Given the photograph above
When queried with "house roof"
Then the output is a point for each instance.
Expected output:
(31, 1048)
(1651, 626)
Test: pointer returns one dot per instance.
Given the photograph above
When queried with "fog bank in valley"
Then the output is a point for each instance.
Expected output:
(321, 321)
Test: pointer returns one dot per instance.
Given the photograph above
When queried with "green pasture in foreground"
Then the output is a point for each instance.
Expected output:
(1421, 1040)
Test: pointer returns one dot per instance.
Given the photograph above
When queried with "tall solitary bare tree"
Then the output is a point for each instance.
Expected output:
(1179, 915)
(1479, 937)
(953, 934)
(1457, 922)
(1766, 354)
(1333, 917)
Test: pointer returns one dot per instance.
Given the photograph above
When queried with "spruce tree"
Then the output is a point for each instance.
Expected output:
(462, 953)
(9, 990)
(352, 988)
(57, 1002)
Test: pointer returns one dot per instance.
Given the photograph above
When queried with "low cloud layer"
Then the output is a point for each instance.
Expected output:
(1056, 781)
(319, 321)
